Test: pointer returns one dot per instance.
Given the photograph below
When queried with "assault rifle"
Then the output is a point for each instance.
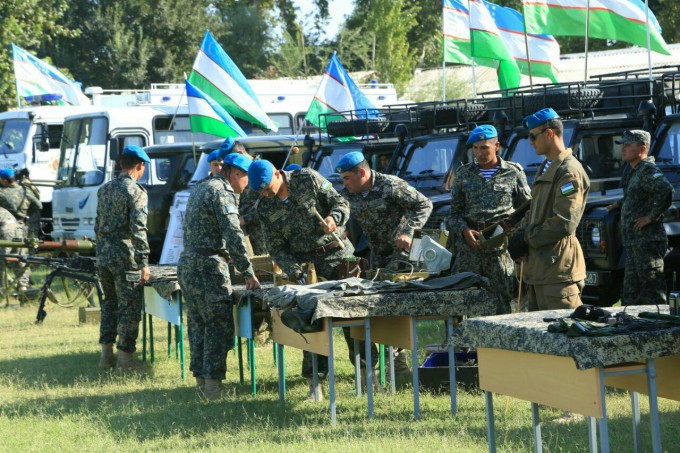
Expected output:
(63, 257)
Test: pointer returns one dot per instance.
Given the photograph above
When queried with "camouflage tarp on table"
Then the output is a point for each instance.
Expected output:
(239, 294)
(527, 332)
(164, 281)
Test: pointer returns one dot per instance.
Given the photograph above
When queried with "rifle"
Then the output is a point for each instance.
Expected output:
(494, 234)
(69, 266)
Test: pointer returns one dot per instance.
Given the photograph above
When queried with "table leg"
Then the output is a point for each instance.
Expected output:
(635, 411)
(282, 375)
(239, 354)
(452, 368)
(416, 382)
(143, 335)
(151, 338)
(180, 348)
(381, 364)
(177, 335)
(592, 434)
(331, 373)
(315, 377)
(393, 385)
(275, 353)
(536, 425)
(369, 367)
(169, 340)
(602, 422)
(653, 406)
(251, 355)
(490, 428)
(357, 367)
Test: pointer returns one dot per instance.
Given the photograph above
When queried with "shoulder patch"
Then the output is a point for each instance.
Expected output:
(657, 175)
(411, 189)
(516, 165)
(568, 188)
(326, 186)
(232, 209)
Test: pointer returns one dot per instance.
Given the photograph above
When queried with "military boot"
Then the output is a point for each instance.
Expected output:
(212, 389)
(200, 384)
(106, 361)
(375, 379)
(125, 362)
(319, 391)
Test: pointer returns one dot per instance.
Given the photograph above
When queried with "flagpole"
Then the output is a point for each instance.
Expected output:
(292, 145)
(649, 48)
(526, 45)
(474, 77)
(443, 58)
(443, 81)
(585, 77)
(16, 81)
(191, 132)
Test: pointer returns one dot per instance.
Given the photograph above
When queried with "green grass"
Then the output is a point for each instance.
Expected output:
(53, 398)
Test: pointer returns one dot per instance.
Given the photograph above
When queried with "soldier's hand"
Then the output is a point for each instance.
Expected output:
(330, 224)
(252, 283)
(146, 276)
(471, 237)
(404, 242)
(301, 278)
(241, 221)
(612, 207)
(642, 222)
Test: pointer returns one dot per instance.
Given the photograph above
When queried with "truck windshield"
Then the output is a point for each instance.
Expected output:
(330, 161)
(169, 129)
(83, 152)
(523, 153)
(669, 151)
(430, 158)
(13, 135)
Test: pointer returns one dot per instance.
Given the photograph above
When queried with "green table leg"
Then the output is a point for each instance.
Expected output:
(239, 352)
(251, 359)
(180, 348)
(382, 365)
(143, 334)
(169, 340)
(151, 338)
(275, 351)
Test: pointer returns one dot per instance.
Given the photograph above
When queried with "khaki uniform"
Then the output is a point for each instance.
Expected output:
(555, 268)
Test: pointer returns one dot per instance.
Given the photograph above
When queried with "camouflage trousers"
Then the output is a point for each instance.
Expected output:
(206, 290)
(497, 266)
(643, 279)
(121, 309)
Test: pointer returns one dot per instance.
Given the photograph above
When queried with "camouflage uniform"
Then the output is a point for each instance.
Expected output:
(122, 247)
(476, 202)
(210, 228)
(390, 208)
(294, 235)
(8, 230)
(646, 192)
(253, 227)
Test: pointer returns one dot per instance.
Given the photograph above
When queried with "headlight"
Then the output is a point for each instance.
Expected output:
(595, 237)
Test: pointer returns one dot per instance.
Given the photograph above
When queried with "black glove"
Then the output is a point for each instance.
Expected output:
(517, 246)
(301, 278)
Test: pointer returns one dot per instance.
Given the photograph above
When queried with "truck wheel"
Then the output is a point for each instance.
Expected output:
(561, 99)
(450, 115)
(357, 127)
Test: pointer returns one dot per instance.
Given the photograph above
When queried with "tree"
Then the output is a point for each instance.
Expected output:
(26, 23)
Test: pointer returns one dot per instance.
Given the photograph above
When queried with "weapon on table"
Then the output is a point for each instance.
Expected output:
(494, 234)
(335, 234)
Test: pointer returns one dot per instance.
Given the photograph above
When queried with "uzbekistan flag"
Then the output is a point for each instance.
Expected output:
(207, 116)
(456, 32)
(217, 76)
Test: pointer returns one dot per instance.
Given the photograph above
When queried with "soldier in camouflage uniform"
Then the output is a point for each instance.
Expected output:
(23, 204)
(293, 231)
(211, 233)
(387, 208)
(122, 248)
(250, 222)
(8, 227)
(484, 192)
(647, 194)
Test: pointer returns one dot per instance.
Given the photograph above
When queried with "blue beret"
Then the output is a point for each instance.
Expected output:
(349, 161)
(226, 147)
(215, 155)
(540, 117)
(483, 132)
(137, 151)
(239, 161)
(260, 174)
(7, 173)
(293, 167)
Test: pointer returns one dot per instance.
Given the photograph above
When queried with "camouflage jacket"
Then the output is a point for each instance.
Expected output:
(20, 201)
(390, 208)
(211, 223)
(292, 230)
(120, 225)
(646, 192)
(475, 199)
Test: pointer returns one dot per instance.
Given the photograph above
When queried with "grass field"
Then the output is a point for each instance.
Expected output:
(54, 399)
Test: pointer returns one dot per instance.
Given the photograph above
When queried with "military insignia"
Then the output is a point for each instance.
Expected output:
(656, 175)
(567, 188)
(482, 136)
(263, 185)
(232, 210)
(338, 169)
(325, 186)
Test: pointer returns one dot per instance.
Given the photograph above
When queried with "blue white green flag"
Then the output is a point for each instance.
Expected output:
(207, 116)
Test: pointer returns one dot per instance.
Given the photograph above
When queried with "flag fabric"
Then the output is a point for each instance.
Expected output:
(456, 32)
(544, 51)
(621, 20)
(207, 116)
(217, 76)
(337, 92)
(35, 77)
(486, 42)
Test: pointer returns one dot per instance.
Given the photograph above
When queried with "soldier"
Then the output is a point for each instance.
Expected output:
(122, 248)
(23, 204)
(210, 230)
(388, 211)
(293, 231)
(215, 162)
(555, 266)
(646, 196)
(486, 191)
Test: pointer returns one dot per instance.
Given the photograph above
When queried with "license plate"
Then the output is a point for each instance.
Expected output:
(592, 279)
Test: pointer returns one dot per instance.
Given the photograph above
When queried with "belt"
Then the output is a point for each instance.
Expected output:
(206, 252)
(322, 250)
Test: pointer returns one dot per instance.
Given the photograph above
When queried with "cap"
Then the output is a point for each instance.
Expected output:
(215, 155)
(137, 151)
(483, 132)
(293, 167)
(260, 174)
(634, 136)
(226, 147)
(349, 161)
(540, 117)
(7, 173)
(239, 161)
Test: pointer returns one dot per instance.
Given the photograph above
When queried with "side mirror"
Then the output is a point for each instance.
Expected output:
(114, 149)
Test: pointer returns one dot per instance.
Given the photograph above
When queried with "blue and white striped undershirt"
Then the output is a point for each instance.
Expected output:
(547, 165)
(487, 174)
